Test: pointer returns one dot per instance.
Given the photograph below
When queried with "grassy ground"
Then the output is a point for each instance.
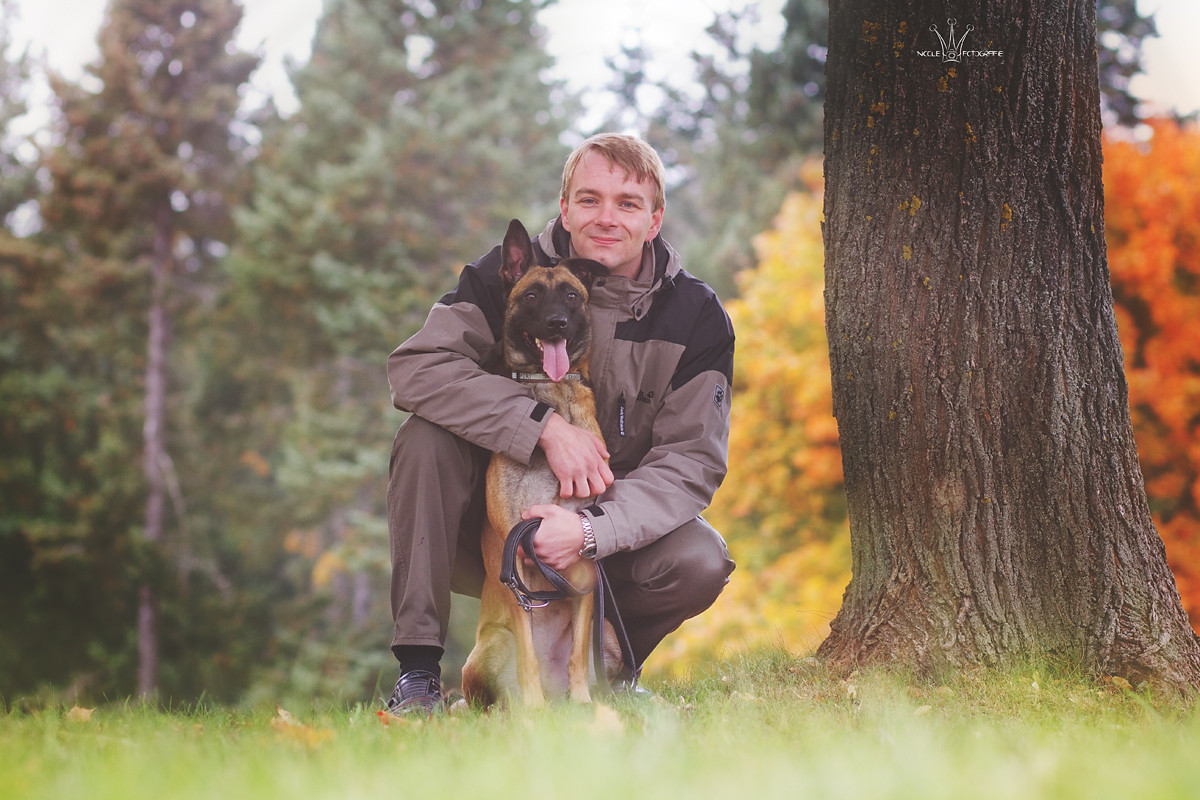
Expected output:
(766, 726)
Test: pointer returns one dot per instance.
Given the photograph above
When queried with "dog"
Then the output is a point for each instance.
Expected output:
(540, 652)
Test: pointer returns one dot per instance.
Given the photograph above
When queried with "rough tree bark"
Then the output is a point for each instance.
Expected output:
(996, 503)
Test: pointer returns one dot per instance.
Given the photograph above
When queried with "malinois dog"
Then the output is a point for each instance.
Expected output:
(542, 651)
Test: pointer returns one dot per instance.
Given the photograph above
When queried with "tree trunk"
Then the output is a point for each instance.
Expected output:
(154, 456)
(996, 503)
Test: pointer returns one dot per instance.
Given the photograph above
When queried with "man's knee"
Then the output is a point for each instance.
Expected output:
(706, 563)
(688, 568)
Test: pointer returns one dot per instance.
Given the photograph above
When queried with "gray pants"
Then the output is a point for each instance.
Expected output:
(435, 515)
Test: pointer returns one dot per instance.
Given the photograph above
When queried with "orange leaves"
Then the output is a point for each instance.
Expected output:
(289, 728)
(1152, 220)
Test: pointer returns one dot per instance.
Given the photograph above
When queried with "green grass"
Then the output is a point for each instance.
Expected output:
(760, 727)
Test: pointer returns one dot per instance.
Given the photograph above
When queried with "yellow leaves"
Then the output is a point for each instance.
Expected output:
(290, 729)
(306, 543)
(256, 463)
(328, 565)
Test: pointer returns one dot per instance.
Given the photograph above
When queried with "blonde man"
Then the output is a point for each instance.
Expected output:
(662, 362)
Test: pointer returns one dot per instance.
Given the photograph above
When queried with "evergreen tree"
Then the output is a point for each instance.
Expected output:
(1120, 30)
(16, 174)
(137, 210)
(423, 127)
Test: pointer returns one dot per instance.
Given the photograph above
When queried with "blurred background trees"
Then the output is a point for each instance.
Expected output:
(303, 247)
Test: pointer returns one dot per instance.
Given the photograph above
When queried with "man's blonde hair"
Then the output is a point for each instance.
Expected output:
(628, 152)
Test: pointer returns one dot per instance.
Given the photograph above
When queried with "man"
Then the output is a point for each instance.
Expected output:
(661, 366)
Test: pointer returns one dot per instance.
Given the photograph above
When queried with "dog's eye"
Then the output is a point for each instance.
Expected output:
(572, 295)
(531, 296)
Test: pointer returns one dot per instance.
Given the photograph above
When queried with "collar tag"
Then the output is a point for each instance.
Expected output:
(541, 377)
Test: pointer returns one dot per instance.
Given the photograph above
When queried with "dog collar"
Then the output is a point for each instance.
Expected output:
(541, 377)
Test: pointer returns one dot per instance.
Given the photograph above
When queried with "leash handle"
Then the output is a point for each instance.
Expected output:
(521, 537)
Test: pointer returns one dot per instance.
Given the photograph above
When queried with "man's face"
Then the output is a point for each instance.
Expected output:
(609, 214)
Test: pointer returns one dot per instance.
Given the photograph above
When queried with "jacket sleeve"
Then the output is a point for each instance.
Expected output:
(688, 458)
(439, 373)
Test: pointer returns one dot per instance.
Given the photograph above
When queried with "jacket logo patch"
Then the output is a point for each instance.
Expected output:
(719, 397)
(645, 397)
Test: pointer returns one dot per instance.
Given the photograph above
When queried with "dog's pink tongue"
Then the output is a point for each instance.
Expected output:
(554, 359)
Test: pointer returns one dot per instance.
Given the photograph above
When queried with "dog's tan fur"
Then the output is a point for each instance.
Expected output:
(542, 652)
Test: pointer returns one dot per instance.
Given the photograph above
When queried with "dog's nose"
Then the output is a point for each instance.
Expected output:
(557, 322)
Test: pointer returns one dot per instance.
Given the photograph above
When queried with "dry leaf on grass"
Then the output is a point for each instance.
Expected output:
(292, 729)
(607, 720)
(77, 714)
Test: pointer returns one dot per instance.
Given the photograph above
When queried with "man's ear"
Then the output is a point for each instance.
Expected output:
(516, 254)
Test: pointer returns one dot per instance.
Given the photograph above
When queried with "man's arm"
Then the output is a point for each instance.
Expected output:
(438, 374)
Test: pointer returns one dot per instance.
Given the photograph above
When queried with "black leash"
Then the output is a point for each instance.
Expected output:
(521, 537)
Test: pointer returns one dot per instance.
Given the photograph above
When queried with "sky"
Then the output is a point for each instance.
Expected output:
(581, 34)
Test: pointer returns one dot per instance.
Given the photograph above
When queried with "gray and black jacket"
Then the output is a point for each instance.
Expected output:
(661, 367)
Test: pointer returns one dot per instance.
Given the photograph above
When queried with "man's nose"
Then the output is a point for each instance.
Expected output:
(607, 215)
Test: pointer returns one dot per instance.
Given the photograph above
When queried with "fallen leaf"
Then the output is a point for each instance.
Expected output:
(1121, 683)
(288, 727)
(922, 711)
(77, 714)
(607, 720)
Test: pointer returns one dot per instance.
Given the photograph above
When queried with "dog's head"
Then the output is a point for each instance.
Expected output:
(547, 326)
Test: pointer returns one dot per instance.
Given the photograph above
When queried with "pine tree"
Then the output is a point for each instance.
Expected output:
(16, 173)
(138, 208)
(423, 127)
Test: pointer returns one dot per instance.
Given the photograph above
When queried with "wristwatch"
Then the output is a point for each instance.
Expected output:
(588, 550)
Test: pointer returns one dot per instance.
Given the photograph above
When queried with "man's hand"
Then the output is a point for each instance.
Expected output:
(577, 458)
(559, 537)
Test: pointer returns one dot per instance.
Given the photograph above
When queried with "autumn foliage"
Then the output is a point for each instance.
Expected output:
(783, 508)
(1152, 221)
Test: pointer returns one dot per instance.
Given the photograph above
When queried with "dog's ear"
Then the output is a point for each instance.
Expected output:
(516, 254)
(586, 270)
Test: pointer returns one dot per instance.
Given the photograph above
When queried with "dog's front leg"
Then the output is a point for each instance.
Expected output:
(581, 632)
(529, 674)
